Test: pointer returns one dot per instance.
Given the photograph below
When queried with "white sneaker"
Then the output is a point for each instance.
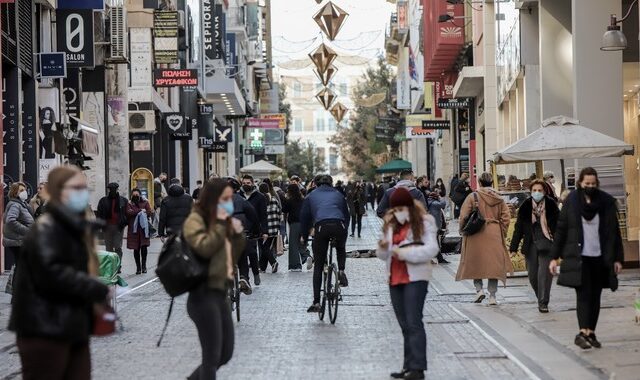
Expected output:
(309, 263)
(492, 300)
(479, 296)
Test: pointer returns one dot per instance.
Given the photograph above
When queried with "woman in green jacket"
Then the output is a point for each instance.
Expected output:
(218, 238)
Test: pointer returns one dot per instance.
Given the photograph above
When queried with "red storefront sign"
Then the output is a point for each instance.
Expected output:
(175, 77)
(443, 89)
(442, 41)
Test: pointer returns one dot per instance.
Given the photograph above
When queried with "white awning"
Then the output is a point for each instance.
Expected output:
(562, 138)
(261, 167)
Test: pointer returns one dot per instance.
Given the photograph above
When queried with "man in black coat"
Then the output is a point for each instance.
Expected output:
(251, 194)
(112, 209)
(460, 193)
(174, 210)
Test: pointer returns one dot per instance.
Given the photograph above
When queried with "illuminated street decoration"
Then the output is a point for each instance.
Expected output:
(323, 57)
(326, 97)
(325, 77)
(338, 111)
(330, 19)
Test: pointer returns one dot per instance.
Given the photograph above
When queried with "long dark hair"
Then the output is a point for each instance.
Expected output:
(293, 192)
(417, 214)
(588, 171)
(209, 197)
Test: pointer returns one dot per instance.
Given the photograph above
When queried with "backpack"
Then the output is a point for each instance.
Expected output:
(179, 271)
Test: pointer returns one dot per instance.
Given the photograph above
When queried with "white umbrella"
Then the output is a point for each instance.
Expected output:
(261, 167)
(562, 138)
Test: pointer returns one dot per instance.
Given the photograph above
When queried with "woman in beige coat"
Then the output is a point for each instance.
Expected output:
(484, 254)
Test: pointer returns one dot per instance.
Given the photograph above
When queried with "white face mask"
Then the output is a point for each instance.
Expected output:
(402, 216)
(23, 195)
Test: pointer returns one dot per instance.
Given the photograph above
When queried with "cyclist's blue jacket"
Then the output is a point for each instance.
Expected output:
(324, 203)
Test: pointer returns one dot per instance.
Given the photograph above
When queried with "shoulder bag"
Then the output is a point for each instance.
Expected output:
(475, 221)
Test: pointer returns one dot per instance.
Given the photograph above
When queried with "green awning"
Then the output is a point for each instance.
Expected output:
(394, 166)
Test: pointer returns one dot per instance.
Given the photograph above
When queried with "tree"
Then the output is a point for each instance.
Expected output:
(361, 151)
(303, 160)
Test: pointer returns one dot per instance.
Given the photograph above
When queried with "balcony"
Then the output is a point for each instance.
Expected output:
(236, 22)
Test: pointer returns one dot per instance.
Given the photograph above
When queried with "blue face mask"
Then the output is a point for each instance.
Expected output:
(78, 200)
(537, 196)
(227, 206)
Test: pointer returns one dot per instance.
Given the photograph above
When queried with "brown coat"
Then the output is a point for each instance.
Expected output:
(484, 254)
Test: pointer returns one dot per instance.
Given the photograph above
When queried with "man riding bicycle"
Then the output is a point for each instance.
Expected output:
(326, 211)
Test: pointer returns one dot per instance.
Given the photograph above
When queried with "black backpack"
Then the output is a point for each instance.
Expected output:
(179, 270)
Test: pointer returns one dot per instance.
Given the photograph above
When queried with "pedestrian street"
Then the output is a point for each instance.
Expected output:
(277, 339)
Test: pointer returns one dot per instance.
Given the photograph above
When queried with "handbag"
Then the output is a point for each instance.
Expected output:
(475, 221)
(104, 320)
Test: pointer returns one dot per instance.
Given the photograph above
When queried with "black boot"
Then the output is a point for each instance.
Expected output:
(144, 260)
(414, 375)
(399, 375)
(136, 257)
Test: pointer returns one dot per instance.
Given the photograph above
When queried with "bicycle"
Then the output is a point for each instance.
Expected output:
(233, 292)
(330, 287)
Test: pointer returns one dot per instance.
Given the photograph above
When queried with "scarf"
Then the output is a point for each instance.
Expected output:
(589, 210)
(539, 213)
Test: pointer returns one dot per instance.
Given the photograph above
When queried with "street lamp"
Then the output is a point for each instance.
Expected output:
(613, 39)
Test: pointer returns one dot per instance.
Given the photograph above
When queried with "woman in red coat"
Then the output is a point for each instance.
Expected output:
(138, 212)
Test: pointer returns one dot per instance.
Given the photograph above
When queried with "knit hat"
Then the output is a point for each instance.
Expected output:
(401, 197)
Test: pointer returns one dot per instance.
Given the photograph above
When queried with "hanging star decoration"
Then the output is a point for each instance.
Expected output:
(338, 111)
(325, 77)
(330, 19)
(323, 57)
(326, 97)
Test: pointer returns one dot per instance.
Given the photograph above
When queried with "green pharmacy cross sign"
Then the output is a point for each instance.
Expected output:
(257, 138)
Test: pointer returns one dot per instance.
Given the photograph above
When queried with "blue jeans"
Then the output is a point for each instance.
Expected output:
(408, 303)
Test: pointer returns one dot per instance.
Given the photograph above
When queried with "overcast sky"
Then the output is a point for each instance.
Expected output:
(292, 20)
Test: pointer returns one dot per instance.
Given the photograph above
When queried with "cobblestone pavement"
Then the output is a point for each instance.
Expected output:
(277, 339)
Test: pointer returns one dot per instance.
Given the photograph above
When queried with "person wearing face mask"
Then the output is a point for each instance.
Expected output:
(537, 220)
(549, 182)
(407, 245)
(138, 213)
(484, 254)
(56, 290)
(588, 240)
(259, 202)
(112, 209)
(217, 237)
(18, 218)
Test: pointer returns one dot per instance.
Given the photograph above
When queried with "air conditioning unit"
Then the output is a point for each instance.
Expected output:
(118, 35)
(142, 121)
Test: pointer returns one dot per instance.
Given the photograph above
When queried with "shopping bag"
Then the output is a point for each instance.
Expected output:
(279, 245)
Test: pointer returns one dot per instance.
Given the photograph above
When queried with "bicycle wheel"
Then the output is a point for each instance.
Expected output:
(323, 304)
(236, 290)
(334, 294)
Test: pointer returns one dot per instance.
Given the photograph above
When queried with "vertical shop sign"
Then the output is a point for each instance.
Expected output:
(30, 136)
(75, 36)
(10, 116)
(219, 31)
(205, 126)
(165, 33)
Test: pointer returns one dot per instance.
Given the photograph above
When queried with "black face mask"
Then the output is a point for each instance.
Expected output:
(590, 190)
(247, 188)
(135, 199)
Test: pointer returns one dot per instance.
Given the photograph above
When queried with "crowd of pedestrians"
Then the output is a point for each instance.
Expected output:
(235, 225)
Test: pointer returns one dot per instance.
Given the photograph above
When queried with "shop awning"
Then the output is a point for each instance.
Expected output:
(261, 167)
(394, 166)
(562, 138)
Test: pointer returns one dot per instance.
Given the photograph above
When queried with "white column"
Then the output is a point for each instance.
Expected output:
(490, 86)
